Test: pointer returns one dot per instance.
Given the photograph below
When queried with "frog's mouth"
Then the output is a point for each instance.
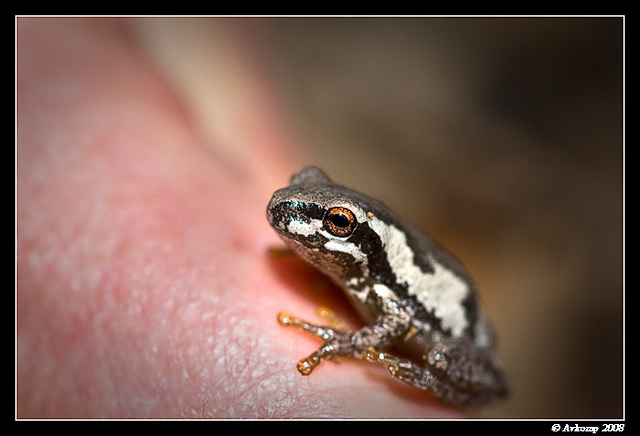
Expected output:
(294, 216)
(337, 264)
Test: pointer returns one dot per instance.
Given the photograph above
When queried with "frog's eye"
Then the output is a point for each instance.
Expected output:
(340, 221)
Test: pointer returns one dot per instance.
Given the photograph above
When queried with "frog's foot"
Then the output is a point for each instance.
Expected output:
(306, 365)
(450, 376)
(394, 323)
(417, 375)
(279, 252)
(332, 319)
(323, 332)
(401, 369)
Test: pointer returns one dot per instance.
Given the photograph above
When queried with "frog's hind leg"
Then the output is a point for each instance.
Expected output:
(453, 376)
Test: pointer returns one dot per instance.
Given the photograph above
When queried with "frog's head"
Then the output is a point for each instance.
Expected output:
(327, 224)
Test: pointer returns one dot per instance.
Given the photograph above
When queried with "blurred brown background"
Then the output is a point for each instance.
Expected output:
(502, 138)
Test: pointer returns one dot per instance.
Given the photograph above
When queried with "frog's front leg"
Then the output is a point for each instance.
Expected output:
(454, 370)
(393, 322)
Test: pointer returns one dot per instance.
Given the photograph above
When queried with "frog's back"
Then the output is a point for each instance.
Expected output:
(438, 287)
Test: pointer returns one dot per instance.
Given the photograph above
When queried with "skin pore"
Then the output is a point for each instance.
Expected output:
(144, 284)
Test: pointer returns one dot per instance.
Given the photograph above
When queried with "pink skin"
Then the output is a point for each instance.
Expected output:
(144, 285)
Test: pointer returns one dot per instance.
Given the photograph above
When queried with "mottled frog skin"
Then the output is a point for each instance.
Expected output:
(413, 296)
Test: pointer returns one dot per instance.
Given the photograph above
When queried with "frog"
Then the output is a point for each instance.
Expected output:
(421, 314)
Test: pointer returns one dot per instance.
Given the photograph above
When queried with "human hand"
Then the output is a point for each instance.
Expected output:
(144, 284)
